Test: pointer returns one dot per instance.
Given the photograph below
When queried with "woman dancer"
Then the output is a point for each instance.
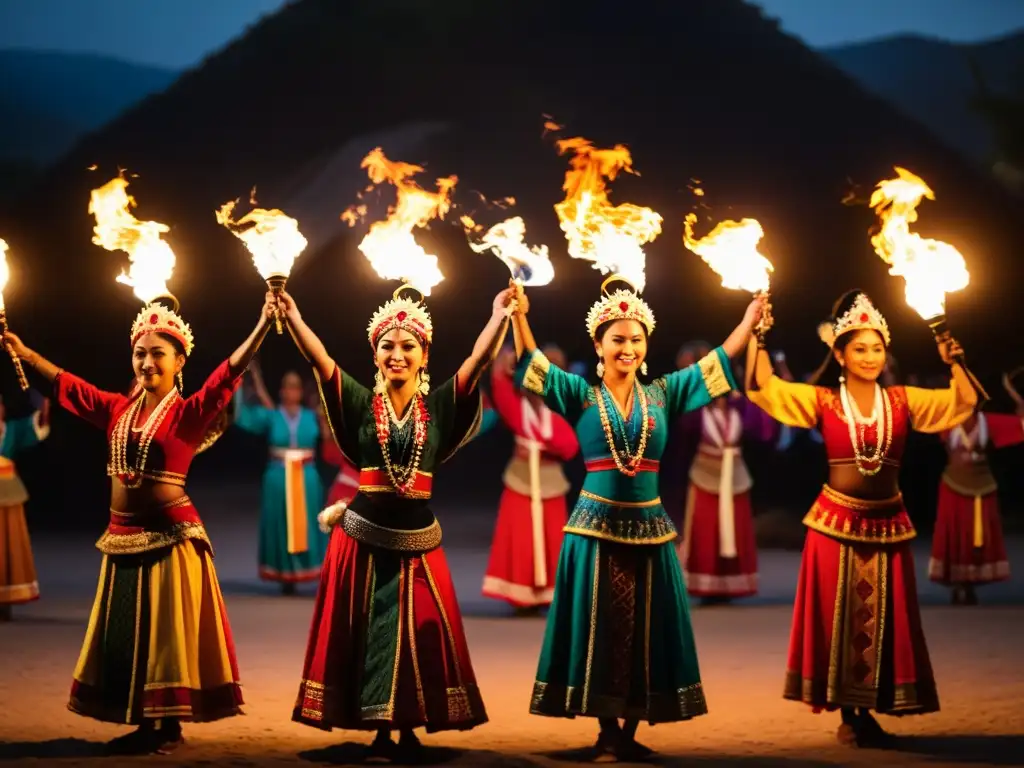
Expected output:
(856, 643)
(386, 648)
(18, 583)
(291, 545)
(968, 550)
(528, 532)
(158, 649)
(718, 551)
(618, 642)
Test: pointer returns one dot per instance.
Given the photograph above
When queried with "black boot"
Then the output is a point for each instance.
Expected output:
(630, 749)
(382, 750)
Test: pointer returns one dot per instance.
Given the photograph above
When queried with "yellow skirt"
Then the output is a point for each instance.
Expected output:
(18, 582)
(158, 644)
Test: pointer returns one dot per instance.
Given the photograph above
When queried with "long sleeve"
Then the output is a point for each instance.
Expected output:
(457, 415)
(788, 402)
(697, 385)
(82, 399)
(936, 410)
(507, 401)
(346, 403)
(564, 393)
(202, 408)
(251, 417)
(1004, 429)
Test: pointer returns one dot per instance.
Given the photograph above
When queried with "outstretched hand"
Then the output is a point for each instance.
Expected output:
(14, 342)
(288, 307)
(502, 301)
(950, 350)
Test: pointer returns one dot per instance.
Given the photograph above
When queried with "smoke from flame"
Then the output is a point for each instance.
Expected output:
(529, 265)
(608, 235)
(151, 260)
(730, 249)
(272, 237)
(390, 245)
(931, 268)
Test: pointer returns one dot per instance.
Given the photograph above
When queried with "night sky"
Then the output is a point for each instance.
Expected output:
(179, 33)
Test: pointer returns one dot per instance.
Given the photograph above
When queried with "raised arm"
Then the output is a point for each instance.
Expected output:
(242, 356)
(42, 366)
(736, 342)
(936, 410)
(790, 403)
(487, 343)
(309, 343)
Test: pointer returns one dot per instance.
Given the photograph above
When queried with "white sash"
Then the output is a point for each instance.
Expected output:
(537, 428)
(975, 441)
(724, 432)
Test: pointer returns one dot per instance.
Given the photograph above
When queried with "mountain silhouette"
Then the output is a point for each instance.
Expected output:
(932, 80)
(708, 90)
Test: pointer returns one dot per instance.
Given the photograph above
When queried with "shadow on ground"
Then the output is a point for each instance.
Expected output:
(49, 750)
(967, 749)
(354, 753)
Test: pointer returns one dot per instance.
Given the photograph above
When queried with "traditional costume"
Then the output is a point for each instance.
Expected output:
(968, 547)
(18, 583)
(618, 642)
(856, 639)
(158, 643)
(346, 482)
(528, 532)
(291, 544)
(387, 648)
(718, 550)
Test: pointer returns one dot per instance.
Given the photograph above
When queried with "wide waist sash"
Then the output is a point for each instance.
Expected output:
(602, 465)
(873, 521)
(134, 532)
(293, 455)
(387, 522)
(375, 480)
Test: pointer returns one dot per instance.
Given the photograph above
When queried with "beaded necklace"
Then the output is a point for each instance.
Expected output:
(132, 476)
(625, 461)
(403, 476)
(868, 460)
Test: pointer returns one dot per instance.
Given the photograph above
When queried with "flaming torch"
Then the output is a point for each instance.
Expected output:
(272, 238)
(4, 275)
(730, 249)
(931, 268)
(528, 265)
(609, 236)
(151, 260)
(390, 246)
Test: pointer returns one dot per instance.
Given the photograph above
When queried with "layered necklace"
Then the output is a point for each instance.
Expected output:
(626, 461)
(407, 436)
(869, 459)
(131, 476)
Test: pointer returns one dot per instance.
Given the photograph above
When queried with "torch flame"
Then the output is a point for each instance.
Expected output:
(608, 235)
(151, 259)
(5, 273)
(931, 268)
(529, 265)
(271, 237)
(389, 245)
(730, 249)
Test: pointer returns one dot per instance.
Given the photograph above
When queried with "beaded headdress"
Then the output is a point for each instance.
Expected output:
(619, 305)
(861, 316)
(156, 318)
(403, 313)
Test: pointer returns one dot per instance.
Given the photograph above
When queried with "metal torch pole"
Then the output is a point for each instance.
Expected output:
(276, 285)
(940, 329)
(18, 369)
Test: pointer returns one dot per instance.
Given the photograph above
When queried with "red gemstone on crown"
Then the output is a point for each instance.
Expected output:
(153, 318)
(401, 316)
(864, 317)
(623, 306)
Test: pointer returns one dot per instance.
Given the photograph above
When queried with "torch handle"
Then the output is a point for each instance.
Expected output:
(276, 285)
(982, 394)
(18, 369)
(940, 329)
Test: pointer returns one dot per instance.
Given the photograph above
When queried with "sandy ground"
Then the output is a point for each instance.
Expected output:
(976, 653)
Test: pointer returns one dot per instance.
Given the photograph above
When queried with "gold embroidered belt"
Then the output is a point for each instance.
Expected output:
(131, 533)
(401, 525)
(847, 518)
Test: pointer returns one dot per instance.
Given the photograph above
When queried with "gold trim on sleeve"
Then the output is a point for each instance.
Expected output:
(715, 380)
(536, 373)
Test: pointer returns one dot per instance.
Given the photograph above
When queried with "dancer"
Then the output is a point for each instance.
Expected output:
(718, 551)
(618, 642)
(528, 532)
(18, 583)
(856, 643)
(968, 550)
(158, 649)
(291, 544)
(386, 648)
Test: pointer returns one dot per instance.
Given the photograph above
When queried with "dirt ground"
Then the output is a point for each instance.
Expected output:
(976, 653)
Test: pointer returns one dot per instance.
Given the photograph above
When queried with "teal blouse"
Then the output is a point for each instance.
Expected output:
(613, 505)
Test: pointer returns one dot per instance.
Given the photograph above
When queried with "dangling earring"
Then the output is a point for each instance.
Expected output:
(842, 375)
(379, 387)
(424, 385)
(181, 382)
(643, 368)
(600, 369)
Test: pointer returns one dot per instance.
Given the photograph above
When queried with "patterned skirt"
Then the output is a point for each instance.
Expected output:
(158, 643)
(386, 647)
(968, 545)
(618, 641)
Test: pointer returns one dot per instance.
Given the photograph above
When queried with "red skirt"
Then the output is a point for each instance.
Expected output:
(968, 546)
(511, 575)
(386, 647)
(707, 572)
(856, 639)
